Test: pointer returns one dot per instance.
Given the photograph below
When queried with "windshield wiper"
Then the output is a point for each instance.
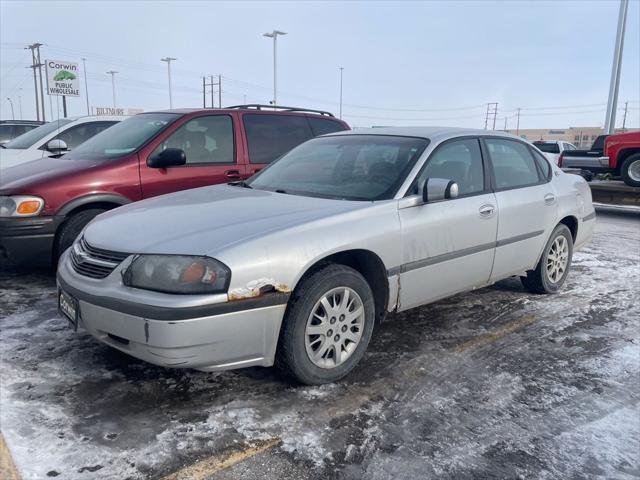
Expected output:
(241, 183)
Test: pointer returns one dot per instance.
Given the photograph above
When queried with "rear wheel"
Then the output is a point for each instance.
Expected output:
(327, 327)
(553, 268)
(630, 170)
(71, 228)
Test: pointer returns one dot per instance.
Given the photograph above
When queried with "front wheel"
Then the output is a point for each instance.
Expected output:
(630, 170)
(327, 327)
(71, 228)
(553, 268)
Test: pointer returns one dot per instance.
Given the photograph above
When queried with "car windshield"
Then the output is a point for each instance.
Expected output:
(124, 137)
(548, 147)
(349, 167)
(30, 138)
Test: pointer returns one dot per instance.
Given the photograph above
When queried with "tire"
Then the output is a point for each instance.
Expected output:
(630, 170)
(71, 228)
(297, 344)
(542, 280)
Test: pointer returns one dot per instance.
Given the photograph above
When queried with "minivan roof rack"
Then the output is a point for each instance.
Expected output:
(257, 106)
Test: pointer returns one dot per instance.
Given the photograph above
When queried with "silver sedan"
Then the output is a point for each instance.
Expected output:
(298, 264)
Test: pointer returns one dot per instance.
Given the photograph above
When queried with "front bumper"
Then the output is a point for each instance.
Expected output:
(27, 240)
(221, 336)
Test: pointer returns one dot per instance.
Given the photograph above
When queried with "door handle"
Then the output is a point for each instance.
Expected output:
(486, 211)
(549, 199)
(232, 174)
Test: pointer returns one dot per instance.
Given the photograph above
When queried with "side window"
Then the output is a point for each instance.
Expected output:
(20, 129)
(543, 164)
(6, 133)
(271, 136)
(513, 164)
(321, 126)
(79, 134)
(458, 160)
(204, 140)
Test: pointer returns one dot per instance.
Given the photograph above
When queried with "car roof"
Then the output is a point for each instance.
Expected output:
(22, 122)
(432, 133)
(95, 118)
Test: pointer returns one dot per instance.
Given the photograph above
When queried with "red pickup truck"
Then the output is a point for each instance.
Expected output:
(618, 154)
(45, 205)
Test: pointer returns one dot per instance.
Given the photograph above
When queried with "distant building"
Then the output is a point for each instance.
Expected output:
(581, 137)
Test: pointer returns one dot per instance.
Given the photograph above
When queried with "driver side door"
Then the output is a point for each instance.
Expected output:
(448, 246)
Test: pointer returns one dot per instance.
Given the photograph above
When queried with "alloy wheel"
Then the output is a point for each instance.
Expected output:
(557, 259)
(334, 327)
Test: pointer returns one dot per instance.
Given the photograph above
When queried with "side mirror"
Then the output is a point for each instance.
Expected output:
(169, 157)
(57, 146)
(436, 189)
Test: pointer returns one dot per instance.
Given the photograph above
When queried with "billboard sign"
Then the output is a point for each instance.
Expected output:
(63, 78)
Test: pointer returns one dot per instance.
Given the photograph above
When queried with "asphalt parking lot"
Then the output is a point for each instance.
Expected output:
(497, 383)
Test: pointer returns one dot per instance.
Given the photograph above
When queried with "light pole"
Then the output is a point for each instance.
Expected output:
(86, 86)
(13, 115)
(341, 70)
(169, 60)
(274, 34)
(20, 105)
(612, 102)
(113, 85)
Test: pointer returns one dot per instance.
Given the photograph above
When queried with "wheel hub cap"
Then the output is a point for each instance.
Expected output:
(557, 259)
(634, 171)
(326, 346)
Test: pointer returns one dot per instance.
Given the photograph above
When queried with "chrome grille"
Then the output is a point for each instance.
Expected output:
(94, 262)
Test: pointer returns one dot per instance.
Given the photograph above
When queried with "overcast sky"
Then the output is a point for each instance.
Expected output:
(413, 63)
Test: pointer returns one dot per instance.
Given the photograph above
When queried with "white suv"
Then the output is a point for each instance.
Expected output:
(53, 139)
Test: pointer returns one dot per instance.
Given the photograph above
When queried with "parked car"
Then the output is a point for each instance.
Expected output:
(618, 154)
(553, 148)
(43, 207)
(10, 129)
(297, 264)
(53, 139)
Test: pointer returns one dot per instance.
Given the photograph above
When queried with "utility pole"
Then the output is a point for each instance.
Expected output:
(211, 84)
(518, 123)
(505, 124)
(13, 115)
(492, 110)
(86, 87)
(624, 118)
(113, 85)
(612, 102)
(219, 91)
(169, 60)
(341, 70)
(35, 64)
(274, 34)
(40, 65)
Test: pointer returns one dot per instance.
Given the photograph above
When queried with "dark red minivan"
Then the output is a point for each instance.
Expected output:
(44, 205)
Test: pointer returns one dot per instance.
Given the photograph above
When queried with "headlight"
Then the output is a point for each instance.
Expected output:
(20, 206)
(178, 274)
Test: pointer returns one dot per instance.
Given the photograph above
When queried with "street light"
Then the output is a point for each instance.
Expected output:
(113, 85)
(341, 70)
(274, 35)
(13, 115)
(169, 60)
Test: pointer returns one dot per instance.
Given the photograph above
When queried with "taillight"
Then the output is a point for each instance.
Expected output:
(560, 159)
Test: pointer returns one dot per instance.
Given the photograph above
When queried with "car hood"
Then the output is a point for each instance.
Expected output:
(29, 173)
(206, 220)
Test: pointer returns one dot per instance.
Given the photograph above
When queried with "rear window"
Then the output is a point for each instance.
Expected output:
(322, 126)
(547, 147)
(271, 136)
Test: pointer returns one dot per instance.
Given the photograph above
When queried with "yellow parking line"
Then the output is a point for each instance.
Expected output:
(487, 338)
(8, 469)
(204, 468)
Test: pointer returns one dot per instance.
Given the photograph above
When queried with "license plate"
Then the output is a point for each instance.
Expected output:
(68, 306)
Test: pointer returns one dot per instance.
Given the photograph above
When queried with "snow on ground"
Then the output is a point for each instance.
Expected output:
(450, 390)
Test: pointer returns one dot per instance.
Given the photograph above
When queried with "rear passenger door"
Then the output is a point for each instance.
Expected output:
(527, 205)
(209, 146)
(269, 136)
